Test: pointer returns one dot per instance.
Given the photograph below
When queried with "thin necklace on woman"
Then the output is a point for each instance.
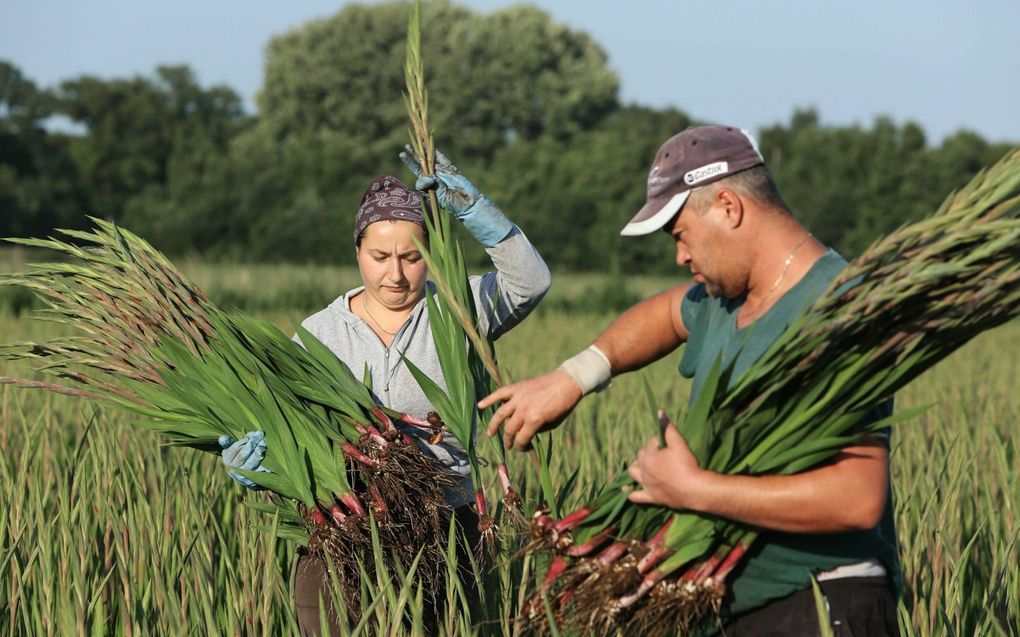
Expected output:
(364, 305)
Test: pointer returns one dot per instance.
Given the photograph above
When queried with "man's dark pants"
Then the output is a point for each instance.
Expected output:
(858, 607)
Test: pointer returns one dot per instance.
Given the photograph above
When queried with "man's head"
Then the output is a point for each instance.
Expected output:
(692, 159)
(710, 191)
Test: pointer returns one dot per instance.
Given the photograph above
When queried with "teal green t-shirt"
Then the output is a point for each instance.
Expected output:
(778, 564)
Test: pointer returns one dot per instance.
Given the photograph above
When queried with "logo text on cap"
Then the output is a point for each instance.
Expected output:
(706, 172)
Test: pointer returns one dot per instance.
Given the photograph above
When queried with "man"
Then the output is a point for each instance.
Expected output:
(753, 264)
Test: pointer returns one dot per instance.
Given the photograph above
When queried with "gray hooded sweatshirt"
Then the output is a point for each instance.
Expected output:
(502, 299)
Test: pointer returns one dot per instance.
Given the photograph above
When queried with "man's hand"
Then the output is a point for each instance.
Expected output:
(530, 406)
(669, 475)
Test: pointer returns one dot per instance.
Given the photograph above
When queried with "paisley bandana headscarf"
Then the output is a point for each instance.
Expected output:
(387, 199)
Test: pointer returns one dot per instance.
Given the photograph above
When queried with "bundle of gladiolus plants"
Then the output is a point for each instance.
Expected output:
(148, 341)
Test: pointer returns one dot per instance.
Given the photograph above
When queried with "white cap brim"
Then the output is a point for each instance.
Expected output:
(640, 225)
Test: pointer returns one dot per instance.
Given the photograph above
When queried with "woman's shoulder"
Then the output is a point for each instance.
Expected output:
(338, 310)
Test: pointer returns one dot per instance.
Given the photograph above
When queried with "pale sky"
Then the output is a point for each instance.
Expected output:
(946, 64)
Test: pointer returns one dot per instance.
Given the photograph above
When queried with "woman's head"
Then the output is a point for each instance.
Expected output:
(388, 223)
(386, 198)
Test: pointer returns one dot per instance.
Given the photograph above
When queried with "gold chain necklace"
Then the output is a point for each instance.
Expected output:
(364, 304)
(782, 275)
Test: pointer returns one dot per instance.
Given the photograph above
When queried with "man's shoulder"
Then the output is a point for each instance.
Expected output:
(698, 298)
(831, 264)
(696, 293)
(691, 304)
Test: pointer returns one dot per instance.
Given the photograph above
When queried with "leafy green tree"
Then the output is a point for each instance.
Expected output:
(332, 114)
(573, 198)
(527, 107)
(141, 132)
(154, 150)
(22, 104)
(513, 74)
(38, 182)
(851, 185)
(127, 140)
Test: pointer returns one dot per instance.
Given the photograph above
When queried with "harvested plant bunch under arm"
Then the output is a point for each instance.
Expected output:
(148, 341)
(909, 301)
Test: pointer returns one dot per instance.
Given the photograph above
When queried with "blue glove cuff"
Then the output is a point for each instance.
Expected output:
(245, 482)
(487, 222)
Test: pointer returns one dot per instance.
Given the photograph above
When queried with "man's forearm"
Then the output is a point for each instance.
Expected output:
(845, 495)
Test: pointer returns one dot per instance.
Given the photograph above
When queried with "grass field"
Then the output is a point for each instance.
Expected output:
(105, 532)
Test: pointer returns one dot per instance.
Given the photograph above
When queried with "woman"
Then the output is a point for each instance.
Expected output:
(375, 326)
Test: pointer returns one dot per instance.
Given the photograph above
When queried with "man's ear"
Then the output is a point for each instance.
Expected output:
(733, 207)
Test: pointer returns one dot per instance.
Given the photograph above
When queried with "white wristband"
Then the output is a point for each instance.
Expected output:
(590, 370)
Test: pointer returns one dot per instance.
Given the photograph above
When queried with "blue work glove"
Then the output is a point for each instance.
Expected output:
(246, 453)
(456, 193)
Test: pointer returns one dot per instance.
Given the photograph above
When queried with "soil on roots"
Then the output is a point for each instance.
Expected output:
(404, 496)
(344, 546)
(584, 600)
(675, 608)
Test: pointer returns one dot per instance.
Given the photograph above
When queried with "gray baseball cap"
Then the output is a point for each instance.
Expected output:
(696, 157)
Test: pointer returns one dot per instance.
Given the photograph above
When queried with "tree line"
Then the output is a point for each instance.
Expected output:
(528, 108)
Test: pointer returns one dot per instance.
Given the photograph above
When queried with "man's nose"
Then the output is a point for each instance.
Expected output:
(683, 257)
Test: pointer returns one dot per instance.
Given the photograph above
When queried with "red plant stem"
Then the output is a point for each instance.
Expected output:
(352, 503)
(371, 432)
(661, 533)
(406, 438)
(338, 514)
(511, 499)
(377, 500)
(504, 478)
(647, 583)
(652, 558)
(597, 540)
(542, 520)
(566, 595)
(572, 521)
(317, 516)
(354, 453)
(480, 502)
(384, 420)
(556, 568)
(657, 552)
(614, 552)
(701, 570)
(731, 561)
(415, 421)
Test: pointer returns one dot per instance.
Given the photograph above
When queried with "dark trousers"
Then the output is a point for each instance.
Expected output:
(311, 581)
(858, 607)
